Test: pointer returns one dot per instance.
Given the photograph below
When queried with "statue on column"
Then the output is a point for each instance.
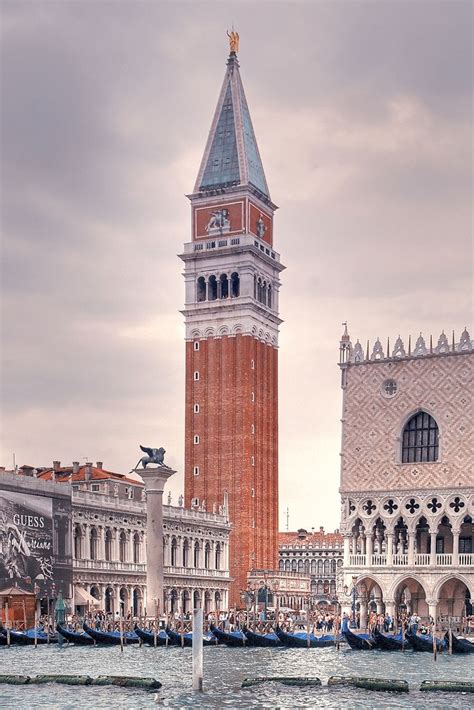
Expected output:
(152, 456)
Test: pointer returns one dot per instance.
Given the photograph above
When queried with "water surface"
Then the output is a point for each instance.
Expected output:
(224, 670)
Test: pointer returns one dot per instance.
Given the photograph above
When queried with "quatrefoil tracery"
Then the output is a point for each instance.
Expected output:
(412, 506)
(457, 504)
(369, 507)
(390, 506)
(434, 505)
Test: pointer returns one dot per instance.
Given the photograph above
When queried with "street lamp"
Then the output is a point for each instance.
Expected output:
(352, 593)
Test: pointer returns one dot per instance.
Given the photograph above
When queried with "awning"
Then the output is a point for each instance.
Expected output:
(83, 598)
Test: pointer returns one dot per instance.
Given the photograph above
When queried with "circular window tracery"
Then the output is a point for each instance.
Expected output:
(389, 388)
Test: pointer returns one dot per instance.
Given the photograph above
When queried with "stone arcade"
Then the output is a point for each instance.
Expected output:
(407, 476)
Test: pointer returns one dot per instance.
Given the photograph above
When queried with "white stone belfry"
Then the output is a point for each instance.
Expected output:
(155, 480)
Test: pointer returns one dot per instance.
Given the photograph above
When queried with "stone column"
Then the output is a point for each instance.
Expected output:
(369, 549)
(455, 548)
(389, 548)
(155, 479)
(433, 548)
(347, 550)
(411, 546)
(433, 608)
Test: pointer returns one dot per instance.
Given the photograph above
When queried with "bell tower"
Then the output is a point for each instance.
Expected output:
(231, 273)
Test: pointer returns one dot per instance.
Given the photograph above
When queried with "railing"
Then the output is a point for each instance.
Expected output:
(357, 560)
(401, 560)
(111, 566)
(422, 559)
(444, 559)
(195, 571)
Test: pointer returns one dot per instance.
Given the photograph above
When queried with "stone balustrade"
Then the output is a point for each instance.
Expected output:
(444, 559)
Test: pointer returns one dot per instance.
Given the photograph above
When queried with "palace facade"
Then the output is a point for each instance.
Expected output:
(407, 476)
(318, 554)
(109, 544)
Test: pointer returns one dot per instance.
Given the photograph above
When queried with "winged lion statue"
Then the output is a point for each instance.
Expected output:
(152, 456)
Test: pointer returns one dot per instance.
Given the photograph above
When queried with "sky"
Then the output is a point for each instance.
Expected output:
(363, 116)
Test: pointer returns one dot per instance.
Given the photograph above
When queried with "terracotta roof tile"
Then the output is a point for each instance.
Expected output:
(65, 474)
(315, 538)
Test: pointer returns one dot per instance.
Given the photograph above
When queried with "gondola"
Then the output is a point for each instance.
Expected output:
(110, 637)
(27, 638)
(187, 639)
(232, 638)
(425, 643)
(268, 640)
(3, 637)
(459, 645)
(359, 642)
(149, 637)
(80, 638)
(300, 640)
(390, 642)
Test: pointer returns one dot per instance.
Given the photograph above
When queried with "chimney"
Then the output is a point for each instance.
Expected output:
(321, 529)
(56, 465)
(75, 466)
(88, 470)
(99, 465)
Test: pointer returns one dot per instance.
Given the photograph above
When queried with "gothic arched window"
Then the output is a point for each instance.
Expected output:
(420, 440)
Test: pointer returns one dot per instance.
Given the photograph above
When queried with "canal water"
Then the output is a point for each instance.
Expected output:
(224, 670)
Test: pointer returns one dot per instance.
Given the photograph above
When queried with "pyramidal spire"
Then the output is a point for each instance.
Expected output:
(231, 156)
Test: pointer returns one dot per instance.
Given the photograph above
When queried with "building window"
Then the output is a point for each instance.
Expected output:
(253, 493)
(174, 552)
(95, 487)
(123, 547)
(196, 471)
(252, 460)
(439, 545)
(252, 396)
(194, 502)
(201, 291)
(252, 364)
(108, 545)
(196, 438)
(196, 345)
(465, 545)
(420, 439)
(136, 548)
(207, 556)
(252, 428)
(196, 376)
(196, 409)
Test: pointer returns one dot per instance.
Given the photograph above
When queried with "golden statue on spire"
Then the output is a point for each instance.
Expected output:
(233, 41)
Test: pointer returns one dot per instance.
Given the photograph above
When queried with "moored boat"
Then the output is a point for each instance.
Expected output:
(358, 642)
(300, 640)
(78, 637)
(149, 637)
(425, 643)
(230, 638)
(268, 640)
(389, 642)
(459, 645)
(27, 638)
(187, 639)
(110, 637)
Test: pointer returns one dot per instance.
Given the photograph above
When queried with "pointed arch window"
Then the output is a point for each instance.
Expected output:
(420, 442)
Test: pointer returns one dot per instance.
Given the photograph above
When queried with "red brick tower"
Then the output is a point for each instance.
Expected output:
(231, 314)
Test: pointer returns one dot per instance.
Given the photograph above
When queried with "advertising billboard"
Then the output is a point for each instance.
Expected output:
(26, 542)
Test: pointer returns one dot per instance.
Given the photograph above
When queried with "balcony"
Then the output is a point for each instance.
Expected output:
(195, 572)
(444, 559)
(110, 566)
